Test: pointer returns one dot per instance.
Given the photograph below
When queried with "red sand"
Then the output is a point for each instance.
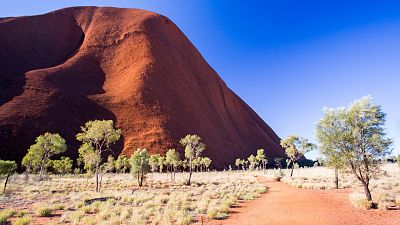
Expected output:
(61, 69)
(283, 204)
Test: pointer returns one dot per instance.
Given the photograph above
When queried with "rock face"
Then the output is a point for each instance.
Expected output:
(61, 69)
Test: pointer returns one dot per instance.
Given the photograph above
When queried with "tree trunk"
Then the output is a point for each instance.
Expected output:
(366, 190)
(101, 180)
(190, 172)
(190, 176)
(41, 171)
(5, 183)
(336, 178)
(172, 173)
(291, 172)
(97, 177)
(141, 178)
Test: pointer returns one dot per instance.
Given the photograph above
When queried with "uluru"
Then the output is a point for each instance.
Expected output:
(61, 69)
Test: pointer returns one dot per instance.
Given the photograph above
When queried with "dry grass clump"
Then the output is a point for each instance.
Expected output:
(5, 215)
(25, 220)
(359, 200)
(43, 210)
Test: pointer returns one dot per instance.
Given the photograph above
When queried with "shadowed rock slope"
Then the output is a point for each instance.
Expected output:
(63, 68)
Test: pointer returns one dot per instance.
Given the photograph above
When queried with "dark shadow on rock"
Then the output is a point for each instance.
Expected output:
(34, 43)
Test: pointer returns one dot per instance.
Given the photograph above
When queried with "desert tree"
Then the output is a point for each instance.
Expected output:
(295, 147)
(154, 162)
(356, 135)
(62, 166)
(45, 147)
(328, 130)
(173, 160)
(238, 163)
(253, 162)
(184, 164)
(7, 168)
(161, 163)
(122, 164)
(278, 163)
(287, 161)
(206, 162)
(193, 149)
(88, 157)
(97, 137)
(320, 161)
(140, 165)
(31, 162)
(196, 164)
(335, 161)
(106, 167)
(260, 157)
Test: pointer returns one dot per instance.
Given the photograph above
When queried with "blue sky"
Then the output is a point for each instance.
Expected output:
(286, 59)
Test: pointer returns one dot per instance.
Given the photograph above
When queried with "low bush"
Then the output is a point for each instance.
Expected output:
(5, 215)
(359, 200)
(278, 175)
(43, 211)
(25, 220)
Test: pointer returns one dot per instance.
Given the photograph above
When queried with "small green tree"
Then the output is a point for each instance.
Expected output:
(253, 162)
(7, 168)
(97, 137)
(278, 163)
(161, 163)
(88, 157)
(31, 162)
(295, 147)
(45, 147)
(355, 136)
(196, 164)
(172, 159)
(62, 166)
(260, 157)
(206, 162)
(320, 161)
(122, 164)
(193, 149)
(154, 162)
(107, 167)
(238, 163)
(140, 165)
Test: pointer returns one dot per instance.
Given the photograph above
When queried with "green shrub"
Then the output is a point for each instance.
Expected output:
(21, 213)
(279, 175)
(5, 215)
(25, 220)
(59, 207)
(43, 211)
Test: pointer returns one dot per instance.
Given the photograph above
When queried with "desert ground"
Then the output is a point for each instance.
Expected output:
(225, 197)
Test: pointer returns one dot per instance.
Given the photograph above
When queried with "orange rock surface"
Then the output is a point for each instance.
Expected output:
(63, 68)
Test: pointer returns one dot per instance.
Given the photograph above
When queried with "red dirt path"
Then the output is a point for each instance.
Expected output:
(283, 204)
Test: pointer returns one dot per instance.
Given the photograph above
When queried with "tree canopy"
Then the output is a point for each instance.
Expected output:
(193, 149)
(354, 137)
(295, 148)
(96, 137)
(39, 153)
(140, 164)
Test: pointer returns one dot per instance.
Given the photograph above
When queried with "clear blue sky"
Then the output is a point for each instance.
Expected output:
(286, 59)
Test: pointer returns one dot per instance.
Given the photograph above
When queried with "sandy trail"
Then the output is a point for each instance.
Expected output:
(283, 204)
